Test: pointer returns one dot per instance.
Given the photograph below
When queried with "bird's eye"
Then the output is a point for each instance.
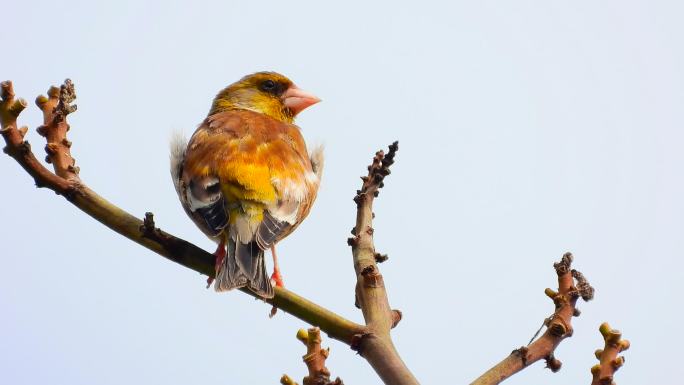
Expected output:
(268, 85)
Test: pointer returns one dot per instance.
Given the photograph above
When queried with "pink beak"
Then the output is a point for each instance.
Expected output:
(296, 99)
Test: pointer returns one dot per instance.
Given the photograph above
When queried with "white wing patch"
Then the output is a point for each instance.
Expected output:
(203, 192)
(178, 144)
(317, 161)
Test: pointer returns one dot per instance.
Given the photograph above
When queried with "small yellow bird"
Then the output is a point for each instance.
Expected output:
(245, 177)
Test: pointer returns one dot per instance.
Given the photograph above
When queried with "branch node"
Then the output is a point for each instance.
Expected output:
(25, 147)
(553, 363)
(51, 148)
(148, 222)
(22, 149)
(397, 315)
(53, 92)
(558, 329)
(563, 267)
(10, 108)
(369, 271)
(286, 380)
(357, 342)
(41, 101)
(380, 258)
(17, 106)
(150, 230)
(550, 293)
(42, 130)
(522, 353)
(302, 336)
(371, 276)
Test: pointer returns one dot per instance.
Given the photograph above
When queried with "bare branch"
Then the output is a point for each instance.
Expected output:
(375, 343)
(56, 106)
(609, 362)
(19, 149)
(314, 359)
(558, 326)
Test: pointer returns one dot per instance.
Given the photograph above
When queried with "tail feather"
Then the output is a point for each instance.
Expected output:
(244, 266)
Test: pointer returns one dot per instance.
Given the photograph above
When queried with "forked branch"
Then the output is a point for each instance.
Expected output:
(571, 286)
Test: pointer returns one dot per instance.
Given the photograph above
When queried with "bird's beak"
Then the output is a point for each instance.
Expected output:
(296, 99)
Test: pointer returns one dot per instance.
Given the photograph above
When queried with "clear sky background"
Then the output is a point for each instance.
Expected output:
(526, 129)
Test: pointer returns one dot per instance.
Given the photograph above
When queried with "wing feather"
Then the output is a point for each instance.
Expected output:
(263, 169)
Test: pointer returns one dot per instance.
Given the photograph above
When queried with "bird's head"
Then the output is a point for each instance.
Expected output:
(268, 93)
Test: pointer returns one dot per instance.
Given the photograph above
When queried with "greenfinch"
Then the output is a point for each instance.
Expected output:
(246, 178)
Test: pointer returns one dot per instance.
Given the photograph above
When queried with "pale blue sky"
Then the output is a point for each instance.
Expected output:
(526, 128)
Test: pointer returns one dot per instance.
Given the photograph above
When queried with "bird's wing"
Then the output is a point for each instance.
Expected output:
(247, 172)
(200, 196)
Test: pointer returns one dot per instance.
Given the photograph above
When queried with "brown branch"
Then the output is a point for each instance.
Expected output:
(19, 149)
(66, 182)
(375, 343)
(56, 106)
(571, 286)
(609, 362)
(314, 359)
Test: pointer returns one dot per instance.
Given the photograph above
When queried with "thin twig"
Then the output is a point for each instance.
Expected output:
(314, 359)
(609, 361)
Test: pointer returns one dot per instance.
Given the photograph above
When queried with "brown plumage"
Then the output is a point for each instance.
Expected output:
(246, 178)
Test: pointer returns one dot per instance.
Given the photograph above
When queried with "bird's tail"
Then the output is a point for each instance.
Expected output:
(244, 265)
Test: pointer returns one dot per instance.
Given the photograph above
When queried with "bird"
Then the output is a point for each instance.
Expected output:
(246, 178)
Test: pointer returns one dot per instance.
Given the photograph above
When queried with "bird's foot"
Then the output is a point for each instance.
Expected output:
(277, 278)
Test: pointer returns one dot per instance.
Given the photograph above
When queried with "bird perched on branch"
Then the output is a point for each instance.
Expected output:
(246, 178)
